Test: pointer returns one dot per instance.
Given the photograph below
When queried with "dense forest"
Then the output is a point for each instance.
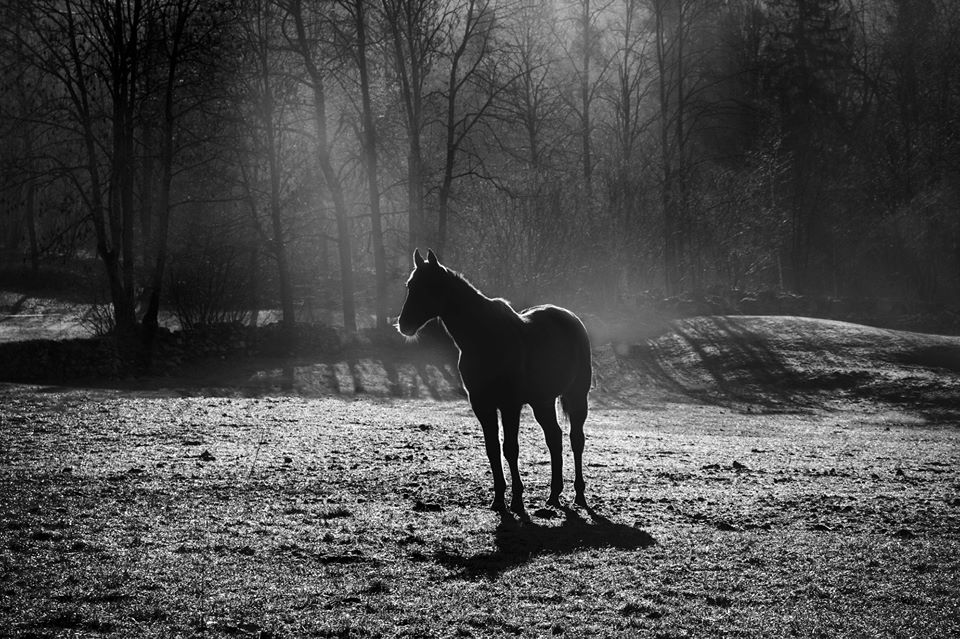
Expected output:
(209, 158)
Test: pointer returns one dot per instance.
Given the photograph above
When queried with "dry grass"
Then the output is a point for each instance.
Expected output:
(154, 514)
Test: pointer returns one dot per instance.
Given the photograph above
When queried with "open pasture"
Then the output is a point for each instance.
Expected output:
(813, 508)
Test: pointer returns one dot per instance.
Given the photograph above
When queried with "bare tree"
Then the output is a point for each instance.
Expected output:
(112, 70)
(170, 25)
(93, 52)
(589, 69)
(683, 44)
(633, 79)
(628, 96)
(20, 172)
(470, 41)
(369, 143)
(670, 36)
(269, 92)
(306, 41)
(414, 28)
(531, 99)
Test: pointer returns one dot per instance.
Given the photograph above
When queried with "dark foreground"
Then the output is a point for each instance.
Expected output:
(136, 515)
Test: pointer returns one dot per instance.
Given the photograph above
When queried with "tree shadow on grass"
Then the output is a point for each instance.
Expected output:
(743, 369)
(517, 541)
(725, 361)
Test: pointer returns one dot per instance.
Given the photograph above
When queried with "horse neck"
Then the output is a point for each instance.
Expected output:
(471, 317)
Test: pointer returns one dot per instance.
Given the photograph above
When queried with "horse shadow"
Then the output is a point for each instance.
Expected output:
(518, 540)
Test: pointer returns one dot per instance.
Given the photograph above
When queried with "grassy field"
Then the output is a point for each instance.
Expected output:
(747, 477)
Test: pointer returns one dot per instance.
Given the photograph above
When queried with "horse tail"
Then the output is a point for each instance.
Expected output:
(575, 397)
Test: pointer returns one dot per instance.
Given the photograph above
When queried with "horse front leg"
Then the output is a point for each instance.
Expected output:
(487, 415)
(511, 450)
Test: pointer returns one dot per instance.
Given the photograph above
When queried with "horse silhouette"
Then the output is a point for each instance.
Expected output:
(508, 359)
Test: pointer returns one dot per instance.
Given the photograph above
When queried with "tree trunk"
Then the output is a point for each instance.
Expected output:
(450, 156)
(401, 17)
(672, 103)
(105, 213)
(147, 195)
(330, 177)
(344, 240)
(160, 243)
(159, 232)
(585, 99)
(124, 95)
(370, 155)
(666, 188)
(280, 252)
(277, 242)
(416, 225)
(31, 216)
(671, 276)
(254, 292)
(454, 137)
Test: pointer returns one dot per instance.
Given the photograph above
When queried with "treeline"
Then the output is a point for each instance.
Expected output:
(265, 152)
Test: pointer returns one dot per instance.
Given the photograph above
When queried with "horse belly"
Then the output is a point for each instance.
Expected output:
(496, 375)
(548, 376)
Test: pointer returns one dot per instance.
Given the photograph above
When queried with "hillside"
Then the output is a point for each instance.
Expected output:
(786, 363)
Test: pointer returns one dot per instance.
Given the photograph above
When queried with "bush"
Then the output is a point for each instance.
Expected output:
(210, 288)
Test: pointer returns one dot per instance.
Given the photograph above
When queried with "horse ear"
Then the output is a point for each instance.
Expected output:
(417, 258)
(432, 258)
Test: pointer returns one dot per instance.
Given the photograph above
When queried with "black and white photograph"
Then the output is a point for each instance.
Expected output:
(479, 318)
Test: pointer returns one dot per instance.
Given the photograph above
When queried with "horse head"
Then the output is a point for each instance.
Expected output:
(425, 299)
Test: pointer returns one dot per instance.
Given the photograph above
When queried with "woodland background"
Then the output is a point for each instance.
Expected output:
(208, 159)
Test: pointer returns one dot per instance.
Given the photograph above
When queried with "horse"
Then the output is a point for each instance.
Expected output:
(508, 359)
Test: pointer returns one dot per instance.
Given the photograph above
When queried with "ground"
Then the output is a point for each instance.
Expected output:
(749, 477)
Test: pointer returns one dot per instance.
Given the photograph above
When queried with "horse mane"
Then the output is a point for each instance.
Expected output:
(463, 286)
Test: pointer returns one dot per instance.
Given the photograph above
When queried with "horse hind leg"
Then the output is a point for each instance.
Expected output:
(575, 406)
(546, 415)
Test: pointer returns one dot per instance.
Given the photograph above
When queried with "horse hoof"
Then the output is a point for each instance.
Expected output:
(498, 506)
(554, 501)
(581, 501)
(516, 505)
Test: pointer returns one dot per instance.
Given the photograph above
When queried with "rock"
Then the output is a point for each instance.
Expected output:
(423, 507)
(720, 601)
